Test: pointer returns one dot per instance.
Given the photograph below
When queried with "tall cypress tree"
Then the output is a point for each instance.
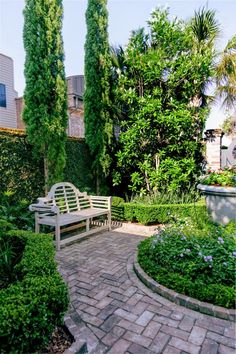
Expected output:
(45, 96)
(98, 122)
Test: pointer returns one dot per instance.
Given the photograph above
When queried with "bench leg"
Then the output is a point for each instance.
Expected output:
(87, 225)
(57, 231)
(37, 226)
(109, 221)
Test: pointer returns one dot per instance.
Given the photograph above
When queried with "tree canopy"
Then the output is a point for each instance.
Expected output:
(97, 105)
(45, 111)
(162, 90)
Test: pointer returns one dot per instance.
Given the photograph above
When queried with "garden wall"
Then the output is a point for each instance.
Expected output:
(22, 174)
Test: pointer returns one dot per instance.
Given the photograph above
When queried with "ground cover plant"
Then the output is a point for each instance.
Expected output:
(194, 257)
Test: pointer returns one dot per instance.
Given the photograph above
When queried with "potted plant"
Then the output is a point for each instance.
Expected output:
(219, 187)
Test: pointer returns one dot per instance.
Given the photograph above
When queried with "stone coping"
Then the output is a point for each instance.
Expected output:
(217, 190)
(183, 300)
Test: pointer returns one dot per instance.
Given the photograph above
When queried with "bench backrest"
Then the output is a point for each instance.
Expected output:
(68, 198)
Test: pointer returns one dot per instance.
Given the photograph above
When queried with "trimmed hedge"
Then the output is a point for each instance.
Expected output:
(23, 175)
(32, 306)
(155, 214)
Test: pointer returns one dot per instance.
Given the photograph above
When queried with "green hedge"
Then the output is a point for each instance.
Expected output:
(154, 214)
(32, 306)
(23, 175)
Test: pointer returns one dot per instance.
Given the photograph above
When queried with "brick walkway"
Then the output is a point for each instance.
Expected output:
(115, 313)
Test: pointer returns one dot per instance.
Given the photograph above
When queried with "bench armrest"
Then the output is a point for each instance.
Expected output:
(44, 206)
(100, 202)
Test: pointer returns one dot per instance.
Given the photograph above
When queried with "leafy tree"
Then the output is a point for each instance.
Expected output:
(45, 112)
(97, 106)
(226, 75)
(162, 86)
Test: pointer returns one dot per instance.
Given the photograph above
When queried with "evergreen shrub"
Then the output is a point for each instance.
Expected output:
(160, 214)
(36, 301)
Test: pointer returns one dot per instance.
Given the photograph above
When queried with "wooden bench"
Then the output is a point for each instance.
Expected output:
(66, 205)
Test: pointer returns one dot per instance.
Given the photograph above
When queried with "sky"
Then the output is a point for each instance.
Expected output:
(124, 16)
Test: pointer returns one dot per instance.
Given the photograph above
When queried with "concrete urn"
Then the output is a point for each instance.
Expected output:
(220, 202)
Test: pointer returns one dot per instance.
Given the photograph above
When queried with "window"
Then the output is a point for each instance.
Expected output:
(3, 101)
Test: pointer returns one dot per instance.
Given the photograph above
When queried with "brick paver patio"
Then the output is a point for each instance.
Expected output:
(115, 313)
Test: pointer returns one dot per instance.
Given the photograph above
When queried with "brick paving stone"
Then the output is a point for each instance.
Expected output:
(91, 319)
(183, 345)
(176, 315)
(163, 312)
(103, 302)
(107, 311)
(152, 329)
(126, 315)
(229, 342)
(91, 310)
(138, 349)
(172, 350)
(97, 331)
(120, 347)
(109, 323)
(101, 294)
(137, 338)
(209, 347)
(130, 326)
(226, 350)
(197, 335)
(130, 291)
(135, 299)
(187, 323)
(118, 331)
(139, 307)
(230, 332)
(159, 342)
(166, 321)
(209, 325)
(118, 296)
(175, 332)
(145, 318)
(109, 339)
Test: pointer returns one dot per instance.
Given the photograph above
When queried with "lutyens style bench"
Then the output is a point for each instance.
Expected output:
(66, 205)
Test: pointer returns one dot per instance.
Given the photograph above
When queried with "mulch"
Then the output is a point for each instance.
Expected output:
(60, 341)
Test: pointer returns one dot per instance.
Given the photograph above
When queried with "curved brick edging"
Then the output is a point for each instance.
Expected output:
(183, 300)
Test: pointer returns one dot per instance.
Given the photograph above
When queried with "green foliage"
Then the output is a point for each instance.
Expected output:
(78, 168)
(22, 180)
(196, 260)
(31, 307)
(45, 110)
(224, 178)
(161, 90)
(155, 214)
(98, 124)
(16, 211)
(117, 208)
(21, 173)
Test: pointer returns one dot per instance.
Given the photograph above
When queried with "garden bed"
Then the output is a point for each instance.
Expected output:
(197, 261)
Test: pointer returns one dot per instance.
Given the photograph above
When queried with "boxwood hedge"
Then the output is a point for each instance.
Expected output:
(36, 301)
(154, 214)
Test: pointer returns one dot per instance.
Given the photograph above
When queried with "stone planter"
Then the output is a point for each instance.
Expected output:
(220, 202)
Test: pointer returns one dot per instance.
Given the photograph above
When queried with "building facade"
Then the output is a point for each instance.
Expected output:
(11, 106)
(8, 95)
